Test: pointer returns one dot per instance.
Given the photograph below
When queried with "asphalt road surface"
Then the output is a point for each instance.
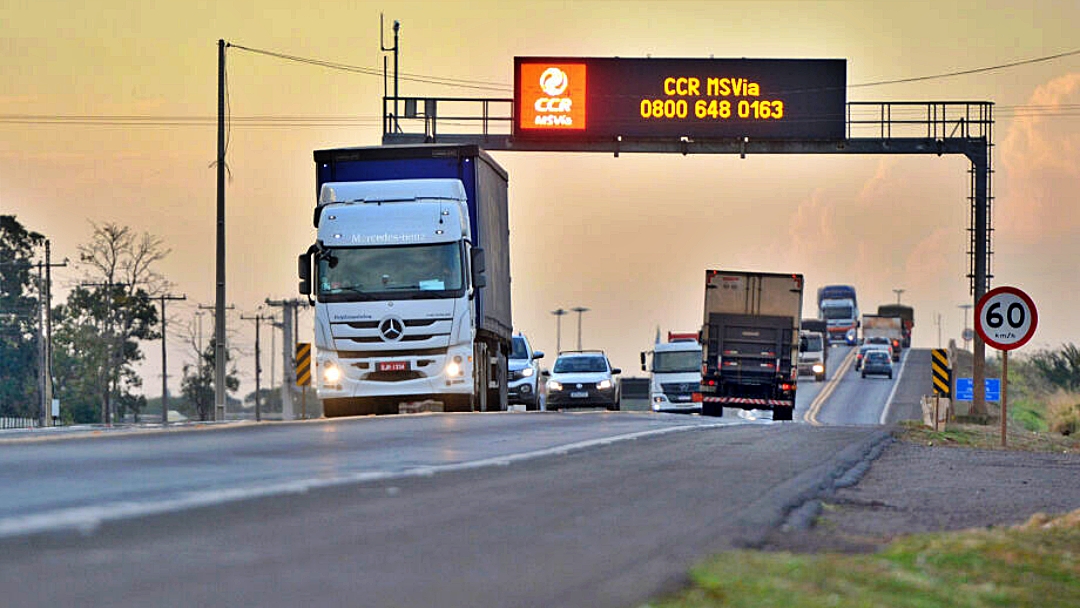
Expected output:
(522, 509)
(539, 509)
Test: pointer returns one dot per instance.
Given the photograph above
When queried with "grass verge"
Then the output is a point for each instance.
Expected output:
(1035, 564)
(988, 437)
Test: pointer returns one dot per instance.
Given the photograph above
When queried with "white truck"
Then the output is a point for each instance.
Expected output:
(674, 373)
(410, 274)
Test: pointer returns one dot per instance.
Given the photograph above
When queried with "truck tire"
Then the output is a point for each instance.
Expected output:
(482, 367)
(498, 396)
(712, 409)
(783, 413)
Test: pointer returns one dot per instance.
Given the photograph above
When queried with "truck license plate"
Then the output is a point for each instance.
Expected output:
(579, 394)
(393, 366)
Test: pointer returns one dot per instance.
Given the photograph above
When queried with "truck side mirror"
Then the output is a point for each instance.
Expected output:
(643, 361)
(479, 279)
(303, 264)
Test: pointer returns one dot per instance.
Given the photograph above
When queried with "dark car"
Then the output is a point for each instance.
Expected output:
(583, 379)
(877, 362)
(860, 355)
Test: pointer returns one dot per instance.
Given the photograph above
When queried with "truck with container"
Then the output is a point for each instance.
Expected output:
(838, 306)
(907, 318)
(674, 373)
(750, 342)
(409, 276)
(889, 328)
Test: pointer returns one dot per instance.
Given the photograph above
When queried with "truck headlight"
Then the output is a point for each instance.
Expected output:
(331, 373)
(818, 368)
(453, 368)
(527, 372)
(603, 384)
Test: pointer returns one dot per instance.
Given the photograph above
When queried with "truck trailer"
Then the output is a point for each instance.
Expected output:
(750, 342)
(891, 328)
(410, 279)
(907, 318)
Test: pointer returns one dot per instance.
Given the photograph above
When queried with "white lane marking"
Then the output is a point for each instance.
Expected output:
(888, 402)
(87, 519)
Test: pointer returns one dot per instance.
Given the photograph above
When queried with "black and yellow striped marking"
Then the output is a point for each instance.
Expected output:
(303, 364)
(939, 364)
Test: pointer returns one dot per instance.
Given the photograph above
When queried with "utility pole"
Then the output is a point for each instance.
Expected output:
(164, 357)
(220, 355)
(219, 306)
(898, 292)
(937, 321)
(290, 334)
(258, 318)
(579, 310)
(558, 312)
(48, 326)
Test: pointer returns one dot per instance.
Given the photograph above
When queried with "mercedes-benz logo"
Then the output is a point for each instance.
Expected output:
(579, 385)
(391, 329)
(684, 387)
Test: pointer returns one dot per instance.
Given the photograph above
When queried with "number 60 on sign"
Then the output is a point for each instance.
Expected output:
(1006, 318)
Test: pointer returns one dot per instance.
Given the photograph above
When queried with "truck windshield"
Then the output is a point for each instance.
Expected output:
(405, 272)
(837, 312)
(811, 344)
(677, 361)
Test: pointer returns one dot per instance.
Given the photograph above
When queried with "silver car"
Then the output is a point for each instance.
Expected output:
(525, 386)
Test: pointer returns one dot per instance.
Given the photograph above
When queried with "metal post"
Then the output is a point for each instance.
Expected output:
(258, 318)
(219, 318)
(1004, 394)
(48, 333)
(164, 358)
(579, 310)
(558, 312)
(980, 174)
(42, 381)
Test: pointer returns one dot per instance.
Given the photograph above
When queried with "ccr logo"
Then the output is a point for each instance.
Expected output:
(553, 82)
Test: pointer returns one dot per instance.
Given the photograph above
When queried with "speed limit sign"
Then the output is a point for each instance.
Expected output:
(1006, 318)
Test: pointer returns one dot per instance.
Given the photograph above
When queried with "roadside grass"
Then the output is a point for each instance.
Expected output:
(988, 437)
(1034, 564)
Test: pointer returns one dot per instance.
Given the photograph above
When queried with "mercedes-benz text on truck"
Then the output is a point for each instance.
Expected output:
(750, 341)
(410, 277)
(675, 373)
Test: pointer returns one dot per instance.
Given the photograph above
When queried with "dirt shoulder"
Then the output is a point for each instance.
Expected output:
(919, 485)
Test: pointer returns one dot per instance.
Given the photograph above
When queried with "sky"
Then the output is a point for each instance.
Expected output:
(628, 237)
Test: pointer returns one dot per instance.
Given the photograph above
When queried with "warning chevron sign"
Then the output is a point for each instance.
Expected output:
(942, 373)
(303, 364)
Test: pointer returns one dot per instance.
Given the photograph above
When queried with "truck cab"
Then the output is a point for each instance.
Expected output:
(812, 354)
(674, 373)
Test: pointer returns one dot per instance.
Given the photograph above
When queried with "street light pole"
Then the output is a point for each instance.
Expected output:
(898, 292)
(579, 310)
(558, 312)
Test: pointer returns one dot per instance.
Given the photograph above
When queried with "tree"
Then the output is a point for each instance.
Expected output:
(100, 326)
(1060, 368)
(198, 382)
(19, 305)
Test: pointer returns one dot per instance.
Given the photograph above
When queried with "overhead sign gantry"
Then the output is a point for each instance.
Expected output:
(711, 106)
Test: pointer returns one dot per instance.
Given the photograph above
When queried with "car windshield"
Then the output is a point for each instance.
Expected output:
(580, 364)
(677, 361)
(519, 350)
(836, 312)
(412, 271)
(811, 343)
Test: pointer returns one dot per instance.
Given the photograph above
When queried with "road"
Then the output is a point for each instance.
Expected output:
(523, 509)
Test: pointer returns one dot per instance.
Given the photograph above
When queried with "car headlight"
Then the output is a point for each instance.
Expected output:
(527, 372)
(554, 385)
(603, 384)
(818, 368)
(331, 373)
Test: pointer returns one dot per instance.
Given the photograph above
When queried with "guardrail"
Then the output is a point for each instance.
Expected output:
(17, 423)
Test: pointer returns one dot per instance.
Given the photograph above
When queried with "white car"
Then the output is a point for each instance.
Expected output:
(583, 379)
(525, 386)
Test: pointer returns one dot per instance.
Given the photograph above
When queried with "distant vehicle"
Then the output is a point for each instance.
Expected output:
(525, 386)
(860, 355)
(812, 354)
(907, 316)
(583, 379)
(877, 362)
(889, 328)
(838, 306)
(750, 341)
(675, 374)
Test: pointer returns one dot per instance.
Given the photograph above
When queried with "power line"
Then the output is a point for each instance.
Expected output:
(991, 68)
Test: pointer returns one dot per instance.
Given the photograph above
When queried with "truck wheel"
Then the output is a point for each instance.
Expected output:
(712, 409)
(498, 397)
(820, 378)
(482, 367)
(783, 413)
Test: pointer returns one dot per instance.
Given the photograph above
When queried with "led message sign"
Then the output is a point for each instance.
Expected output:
(600, 98)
